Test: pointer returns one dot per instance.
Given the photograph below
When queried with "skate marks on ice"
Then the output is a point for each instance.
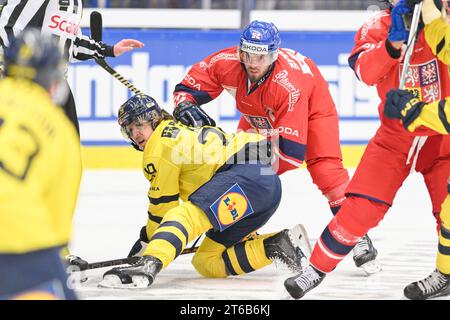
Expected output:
(181, 281)
(401, 264)
(112, 208)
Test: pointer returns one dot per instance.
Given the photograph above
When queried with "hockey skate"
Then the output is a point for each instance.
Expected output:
(286, 247)
(139, 275)
(433, 286)
(300, 284)
(364, 256)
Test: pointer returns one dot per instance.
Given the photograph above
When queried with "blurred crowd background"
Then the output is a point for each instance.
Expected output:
(236, 4)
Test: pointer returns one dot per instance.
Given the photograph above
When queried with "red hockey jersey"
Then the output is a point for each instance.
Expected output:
(280, 105)
(427, 77)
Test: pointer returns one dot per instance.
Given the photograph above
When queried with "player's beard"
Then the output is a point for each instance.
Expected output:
(255, 73)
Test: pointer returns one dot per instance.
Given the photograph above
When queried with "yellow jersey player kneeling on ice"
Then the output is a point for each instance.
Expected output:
(39, 171)
(227, 188)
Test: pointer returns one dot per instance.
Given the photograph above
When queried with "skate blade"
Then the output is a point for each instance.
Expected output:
(300, 238)
(113, 282)
(371, 267)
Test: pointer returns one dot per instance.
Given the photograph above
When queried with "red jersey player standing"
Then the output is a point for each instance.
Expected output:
(282, 94)
(393, 152)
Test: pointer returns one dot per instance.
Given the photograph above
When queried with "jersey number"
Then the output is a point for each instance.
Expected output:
(205, 130)
(17, 154)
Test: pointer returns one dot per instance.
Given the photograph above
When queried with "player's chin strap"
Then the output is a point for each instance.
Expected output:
(136, 146)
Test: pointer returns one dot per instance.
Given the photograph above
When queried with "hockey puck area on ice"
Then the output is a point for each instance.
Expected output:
(113, 282)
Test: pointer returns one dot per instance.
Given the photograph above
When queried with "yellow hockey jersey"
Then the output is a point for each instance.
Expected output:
(179, 159)
(40, 169)
(436, 115)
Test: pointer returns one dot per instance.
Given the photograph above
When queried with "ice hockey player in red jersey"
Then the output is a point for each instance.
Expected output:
(280, 94)
(393, 153)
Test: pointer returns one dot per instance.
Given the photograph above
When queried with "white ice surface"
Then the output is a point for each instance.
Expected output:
(112, 208)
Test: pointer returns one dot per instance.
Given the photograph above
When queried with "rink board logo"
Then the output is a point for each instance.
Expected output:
(423, 81)
(231, 207)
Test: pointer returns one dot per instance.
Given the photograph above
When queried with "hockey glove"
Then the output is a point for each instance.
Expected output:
(190, 114)
(398, 30)
(401, 104)
(140, 245)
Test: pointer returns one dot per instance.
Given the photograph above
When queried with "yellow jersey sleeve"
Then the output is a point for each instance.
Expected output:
(435, 116)
(437, 35)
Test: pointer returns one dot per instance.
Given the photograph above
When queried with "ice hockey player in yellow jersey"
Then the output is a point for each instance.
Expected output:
(227, 188)
(39, 171)
(414, 113)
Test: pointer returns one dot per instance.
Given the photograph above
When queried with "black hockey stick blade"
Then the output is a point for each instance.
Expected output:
(130, 260)
(110, 263)
(96, 26)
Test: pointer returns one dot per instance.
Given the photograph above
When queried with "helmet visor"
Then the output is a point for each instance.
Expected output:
(128, 130)
(257, 60)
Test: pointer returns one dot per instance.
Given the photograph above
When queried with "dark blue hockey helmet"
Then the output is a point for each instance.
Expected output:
(139, 108)
(35, 57)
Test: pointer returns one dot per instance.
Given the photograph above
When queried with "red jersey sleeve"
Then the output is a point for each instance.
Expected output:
(370, 58)
(292, 90)
(202, 83)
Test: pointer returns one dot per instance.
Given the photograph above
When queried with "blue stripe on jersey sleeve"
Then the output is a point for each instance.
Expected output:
(201, 97)
(292, 149)
(164, 199)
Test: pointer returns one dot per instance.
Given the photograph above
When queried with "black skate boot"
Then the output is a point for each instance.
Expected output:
(433, 286)
(285, 247)
(364, 255)
(300, 284)
(140, 274)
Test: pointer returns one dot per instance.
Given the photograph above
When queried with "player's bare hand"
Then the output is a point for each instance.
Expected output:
(126, 45)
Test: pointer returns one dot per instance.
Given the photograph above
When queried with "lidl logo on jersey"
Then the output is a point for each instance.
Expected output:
(231, 207)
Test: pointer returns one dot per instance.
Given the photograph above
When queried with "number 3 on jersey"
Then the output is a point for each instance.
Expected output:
(19, 149)
(217, 131)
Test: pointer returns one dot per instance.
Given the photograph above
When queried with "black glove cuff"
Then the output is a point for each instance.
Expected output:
(109, 50)
(393, 52)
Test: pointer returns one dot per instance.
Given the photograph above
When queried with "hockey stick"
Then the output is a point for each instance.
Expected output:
(418, 141)
(130, 260)
(411, 41)
(96, 26)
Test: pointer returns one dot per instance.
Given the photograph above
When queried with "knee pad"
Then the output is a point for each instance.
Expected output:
(359, 214)
(208, 261)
